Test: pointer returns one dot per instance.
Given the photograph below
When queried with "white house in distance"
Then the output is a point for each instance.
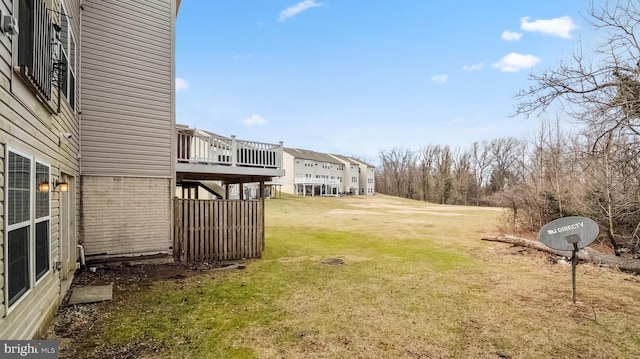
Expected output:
(360, 176)
(367, 178)
(310, 173)
(351, 178)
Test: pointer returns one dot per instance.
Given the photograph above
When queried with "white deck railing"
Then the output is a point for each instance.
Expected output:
(227, 151)
(325, 181)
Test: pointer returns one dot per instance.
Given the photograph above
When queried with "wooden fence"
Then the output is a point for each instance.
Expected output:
(208, 230)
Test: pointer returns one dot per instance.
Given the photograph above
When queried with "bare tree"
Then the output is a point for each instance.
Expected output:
(464, 184)
(505, 154)
(606, 94)
(601, 90)
(397, 171)
(426, 158)
(442, 174)
(481, 165)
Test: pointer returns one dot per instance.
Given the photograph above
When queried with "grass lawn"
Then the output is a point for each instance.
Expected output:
(417, 283)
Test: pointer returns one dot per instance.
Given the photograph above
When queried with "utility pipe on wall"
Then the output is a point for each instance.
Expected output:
(82, 260)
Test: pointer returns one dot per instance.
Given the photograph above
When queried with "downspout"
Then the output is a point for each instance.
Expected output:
(83, 262)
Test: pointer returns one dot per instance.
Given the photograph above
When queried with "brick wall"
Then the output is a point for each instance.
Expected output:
(124, 216)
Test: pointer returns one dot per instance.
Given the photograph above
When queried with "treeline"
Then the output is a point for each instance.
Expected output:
(545, 177)
(449, 175)
(593, 173)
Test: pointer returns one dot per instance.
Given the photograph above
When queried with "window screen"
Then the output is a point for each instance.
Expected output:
(18, 263)
(18, 189)
(42, 248)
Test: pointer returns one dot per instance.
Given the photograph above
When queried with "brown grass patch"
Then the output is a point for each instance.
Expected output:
(415, 284)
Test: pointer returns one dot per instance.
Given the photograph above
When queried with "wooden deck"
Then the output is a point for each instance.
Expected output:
(218, 150)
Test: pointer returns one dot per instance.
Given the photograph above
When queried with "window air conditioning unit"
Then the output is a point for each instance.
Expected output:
(8, 24)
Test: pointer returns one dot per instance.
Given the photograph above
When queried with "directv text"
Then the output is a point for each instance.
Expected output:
(566, 228)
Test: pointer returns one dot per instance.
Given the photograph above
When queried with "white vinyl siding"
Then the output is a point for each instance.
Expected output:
(5, 49)
(30, 129)
(127, 97)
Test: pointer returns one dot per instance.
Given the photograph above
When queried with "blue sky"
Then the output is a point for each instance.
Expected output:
(354, 77)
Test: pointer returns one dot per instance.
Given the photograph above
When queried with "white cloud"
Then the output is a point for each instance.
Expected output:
(442, 78)
(296, 9)
(511, 36)
(254, 120)
(181, 84)
(515, 62)
(559, 26)
(474, 67)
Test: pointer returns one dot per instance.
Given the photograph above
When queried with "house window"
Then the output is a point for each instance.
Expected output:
(18, 215)
(42, 220)
(34, 46)
(28, 222)
(68, 56)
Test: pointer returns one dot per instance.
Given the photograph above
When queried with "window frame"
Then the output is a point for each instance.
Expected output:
(37, 220)
(66, 52)
(33, 278)
(34, 63)
(40, 79)
(11, 227)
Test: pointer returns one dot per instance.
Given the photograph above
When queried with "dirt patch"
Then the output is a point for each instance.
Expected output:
(144, 273)
(73, 322)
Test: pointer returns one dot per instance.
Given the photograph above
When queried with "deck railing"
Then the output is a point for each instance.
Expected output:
(325, 181)
(210, 150)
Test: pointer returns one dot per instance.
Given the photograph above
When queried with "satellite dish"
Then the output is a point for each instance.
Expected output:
(563, 233)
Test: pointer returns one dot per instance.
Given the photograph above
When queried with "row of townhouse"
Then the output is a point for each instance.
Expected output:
(310, 173)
